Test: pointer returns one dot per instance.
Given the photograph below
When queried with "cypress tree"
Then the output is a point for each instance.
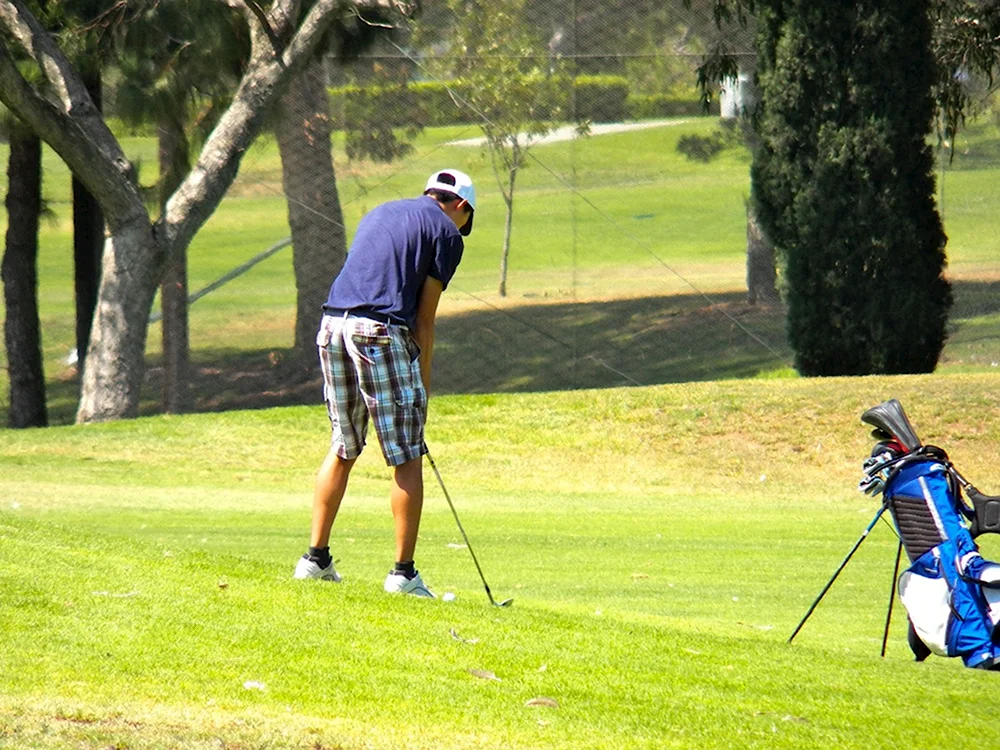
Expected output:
(843, 177)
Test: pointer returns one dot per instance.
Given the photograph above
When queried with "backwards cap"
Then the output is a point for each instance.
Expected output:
(458, 183)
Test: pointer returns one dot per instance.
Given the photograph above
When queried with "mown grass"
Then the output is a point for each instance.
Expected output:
(661, 543)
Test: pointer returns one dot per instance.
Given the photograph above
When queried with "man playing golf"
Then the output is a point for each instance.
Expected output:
(376, 342)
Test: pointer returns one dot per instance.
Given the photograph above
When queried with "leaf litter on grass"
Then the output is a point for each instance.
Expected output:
(543, 702)
(454, 634)
(483, 674)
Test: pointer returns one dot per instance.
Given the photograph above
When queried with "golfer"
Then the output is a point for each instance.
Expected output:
(376, 341)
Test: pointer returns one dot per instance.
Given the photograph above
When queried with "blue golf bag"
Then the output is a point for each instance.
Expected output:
(951, 594)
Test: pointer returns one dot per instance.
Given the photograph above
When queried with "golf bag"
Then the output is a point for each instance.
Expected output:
(951, 594)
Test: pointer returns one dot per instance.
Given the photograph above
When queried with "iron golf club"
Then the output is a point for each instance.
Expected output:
(494, 602)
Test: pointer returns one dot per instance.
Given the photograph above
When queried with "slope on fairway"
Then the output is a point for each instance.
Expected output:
(660, 544)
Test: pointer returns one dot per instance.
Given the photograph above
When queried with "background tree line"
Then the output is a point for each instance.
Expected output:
(202, 73)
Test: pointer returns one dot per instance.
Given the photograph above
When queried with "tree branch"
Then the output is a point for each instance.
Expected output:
(276, 44)
(265, 79)
(76, 130)
(24, 28)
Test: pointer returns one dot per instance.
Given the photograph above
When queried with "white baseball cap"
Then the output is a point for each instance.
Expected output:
(458, 183)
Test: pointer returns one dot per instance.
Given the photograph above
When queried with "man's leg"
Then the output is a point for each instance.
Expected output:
(331, 484)
(407, 499)
(389, 378)
(348, 423)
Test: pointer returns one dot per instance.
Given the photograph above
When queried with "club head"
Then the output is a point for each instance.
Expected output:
(504, 603)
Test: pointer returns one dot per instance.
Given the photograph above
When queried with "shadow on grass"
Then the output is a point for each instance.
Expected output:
(543, 347)
(548, 347)
(532, 348)
(643, 341)
(975, 299)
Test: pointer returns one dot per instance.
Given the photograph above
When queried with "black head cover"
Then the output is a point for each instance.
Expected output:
(890, 419)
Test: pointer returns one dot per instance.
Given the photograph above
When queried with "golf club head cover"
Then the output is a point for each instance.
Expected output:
(890, 418)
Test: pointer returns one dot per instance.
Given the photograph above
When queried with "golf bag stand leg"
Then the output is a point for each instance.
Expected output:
(847, 559)
(892, 597)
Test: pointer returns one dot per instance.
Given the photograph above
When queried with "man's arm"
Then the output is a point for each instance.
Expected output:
(423, 330)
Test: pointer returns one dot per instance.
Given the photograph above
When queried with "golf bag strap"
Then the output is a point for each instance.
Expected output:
(980, 582)
(986, 512)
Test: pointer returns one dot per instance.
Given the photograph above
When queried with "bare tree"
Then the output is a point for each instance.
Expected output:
(180, 64)
(511, 92)
(303, 130)
(137, 249)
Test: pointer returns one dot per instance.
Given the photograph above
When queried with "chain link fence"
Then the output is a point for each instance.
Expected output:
(621, 257)
(626, 254)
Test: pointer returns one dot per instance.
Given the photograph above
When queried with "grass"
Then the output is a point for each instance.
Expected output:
(636, 279)
(661, 543)
(640, 473)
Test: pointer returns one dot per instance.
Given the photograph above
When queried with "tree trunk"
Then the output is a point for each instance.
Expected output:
(507, 227)
(135, 251)
(22, 331)
(132, 266)
(319, 241)
(174, 164)
(761, 273)
(88, 240)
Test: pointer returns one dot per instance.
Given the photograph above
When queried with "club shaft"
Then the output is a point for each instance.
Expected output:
(460, 527)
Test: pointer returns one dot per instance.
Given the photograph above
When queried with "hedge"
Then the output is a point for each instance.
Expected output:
(431, 103)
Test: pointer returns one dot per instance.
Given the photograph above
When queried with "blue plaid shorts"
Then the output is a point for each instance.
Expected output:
(372, 370)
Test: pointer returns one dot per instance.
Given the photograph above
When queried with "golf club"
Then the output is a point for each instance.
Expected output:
(505, 602)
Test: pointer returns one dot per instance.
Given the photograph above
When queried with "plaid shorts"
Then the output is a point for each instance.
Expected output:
(371, 369)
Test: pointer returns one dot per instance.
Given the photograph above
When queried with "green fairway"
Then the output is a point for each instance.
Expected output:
(632, 456)
(637, 277)
(660, 545)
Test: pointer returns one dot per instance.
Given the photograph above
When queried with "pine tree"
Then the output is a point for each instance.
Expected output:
(843, 175)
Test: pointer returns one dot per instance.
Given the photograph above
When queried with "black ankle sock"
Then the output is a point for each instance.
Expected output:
(405, 569)
(320, 556)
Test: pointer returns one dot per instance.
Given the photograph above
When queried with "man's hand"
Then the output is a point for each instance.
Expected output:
(423, 330)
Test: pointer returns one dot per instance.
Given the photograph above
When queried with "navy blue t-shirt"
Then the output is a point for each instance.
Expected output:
(397, 246)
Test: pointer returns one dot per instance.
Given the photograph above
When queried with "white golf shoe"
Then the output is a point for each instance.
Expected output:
(399, 584)
(306, 568)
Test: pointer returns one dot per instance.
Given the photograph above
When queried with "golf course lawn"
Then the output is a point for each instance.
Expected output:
(627, 266)
(660, 545)
(633, 458)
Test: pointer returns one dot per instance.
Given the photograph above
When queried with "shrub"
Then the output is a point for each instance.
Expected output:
(434, 103)
(601, 98)
(371, 118)
(651, 106)
(701, 147)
